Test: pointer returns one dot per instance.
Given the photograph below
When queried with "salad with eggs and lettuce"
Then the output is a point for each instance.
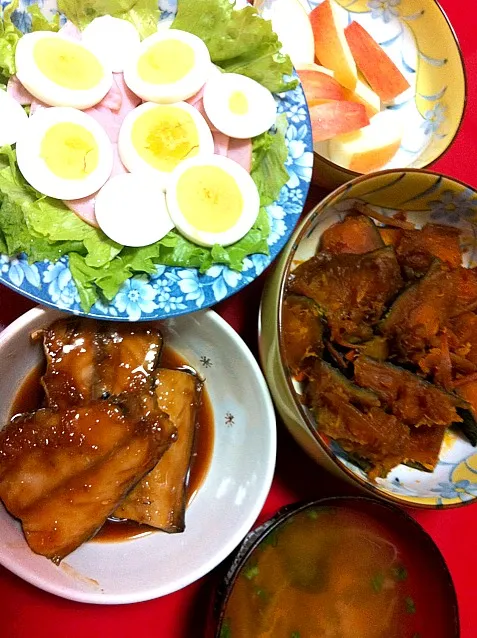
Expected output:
(128, 143)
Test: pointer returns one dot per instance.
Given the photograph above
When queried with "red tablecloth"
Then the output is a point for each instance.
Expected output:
(28, 612)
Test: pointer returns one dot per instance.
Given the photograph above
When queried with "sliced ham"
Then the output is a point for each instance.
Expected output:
(221, 143)
(240, 151)
(68, 30)
(18, 92)
(199, 105)
(84, 207)
(114, 98)
(197, 97)
(111, 120)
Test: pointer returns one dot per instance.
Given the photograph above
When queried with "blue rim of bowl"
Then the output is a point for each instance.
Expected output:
(254, 538)
(298, 235)
(354, 174)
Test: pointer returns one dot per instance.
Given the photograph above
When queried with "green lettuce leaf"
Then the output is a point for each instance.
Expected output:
(144, 14)
(268, 162)
(9, 36)
(238, 41)
(39, 22)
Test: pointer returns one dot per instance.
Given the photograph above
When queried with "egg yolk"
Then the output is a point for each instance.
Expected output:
(69, 150)
(166, 62)
(164, 136)
(67, 64)
(238, 103)
(209, 198)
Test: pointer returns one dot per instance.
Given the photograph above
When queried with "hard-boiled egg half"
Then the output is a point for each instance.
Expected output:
(64, 153)
(131, 210)
(61, 72)
(112, 39)
(12, 119)
(238, 106)
(168, 66)
(212, 200)
(155, 138)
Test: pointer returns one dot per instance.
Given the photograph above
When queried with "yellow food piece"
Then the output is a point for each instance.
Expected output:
(67, 64)
(69, 150)
(209, 198)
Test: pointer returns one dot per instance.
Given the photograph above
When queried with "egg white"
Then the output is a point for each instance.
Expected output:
(12, 119)
(131, 158)
(182, 89)
(112, 39)
(248, 190)
(35, 170)
(262, 108)
(131, 210)
(48, 91)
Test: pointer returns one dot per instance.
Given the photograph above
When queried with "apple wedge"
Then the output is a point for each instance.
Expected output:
(314, 67)
(334, 118)
(320, 88)
(331, 46)
(370, 148)
(379, 70)
(364, 95)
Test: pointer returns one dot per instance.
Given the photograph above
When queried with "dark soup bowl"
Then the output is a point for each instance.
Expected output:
(344, 567)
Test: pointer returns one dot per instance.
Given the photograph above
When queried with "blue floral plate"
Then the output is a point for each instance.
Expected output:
(174, 291)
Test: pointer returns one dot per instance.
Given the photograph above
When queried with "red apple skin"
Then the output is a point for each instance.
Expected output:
(335, 118)
(380, 72)
(331, 47)
(319, 87)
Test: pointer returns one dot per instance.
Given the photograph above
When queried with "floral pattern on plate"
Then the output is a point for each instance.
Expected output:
(175, 291)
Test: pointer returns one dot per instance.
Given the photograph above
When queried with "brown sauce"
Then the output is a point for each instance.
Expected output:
(31, 396)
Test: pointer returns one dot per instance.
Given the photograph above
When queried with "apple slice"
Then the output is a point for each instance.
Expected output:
(314, 67)
(380, 72)
(320, 88)
(364, 95)
(331, 46)
(335, 118)
(290, 22)
(370, 148)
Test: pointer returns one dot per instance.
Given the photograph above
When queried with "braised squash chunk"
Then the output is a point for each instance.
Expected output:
(355, 234)
(468, 392)
(425, 308)
(352, 416)
(417, 249)
(390, 236)
(302, 331)
(463, 337)
(422, 450)
(352, 291)
(411, 399)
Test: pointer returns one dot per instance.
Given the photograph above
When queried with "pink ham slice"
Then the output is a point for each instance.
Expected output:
(104, 115)
(18, 92)
(221, 143)
(197, 97)
(84, 207)
(240, 151)
(114, 98)
(68, 30)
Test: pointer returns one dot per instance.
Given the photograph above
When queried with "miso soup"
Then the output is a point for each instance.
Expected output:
(335, 572)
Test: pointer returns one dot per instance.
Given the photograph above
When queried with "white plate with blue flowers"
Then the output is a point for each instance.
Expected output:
(162, 291)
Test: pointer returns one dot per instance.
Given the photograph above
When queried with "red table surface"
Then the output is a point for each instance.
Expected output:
(26, 611)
